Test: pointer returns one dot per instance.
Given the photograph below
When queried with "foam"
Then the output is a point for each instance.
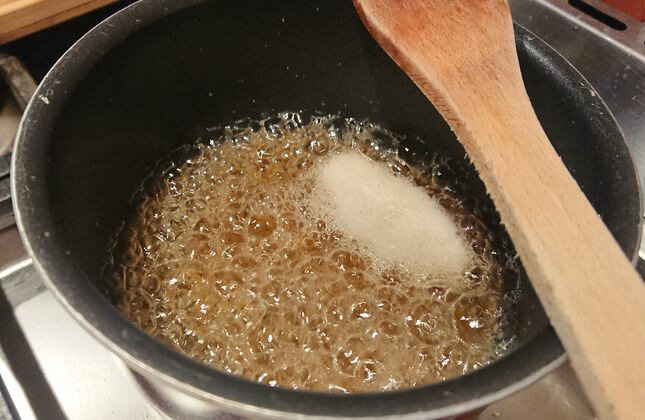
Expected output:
(224, 260)
(394, 219)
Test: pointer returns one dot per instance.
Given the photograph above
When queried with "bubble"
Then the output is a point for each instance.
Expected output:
(224, 260)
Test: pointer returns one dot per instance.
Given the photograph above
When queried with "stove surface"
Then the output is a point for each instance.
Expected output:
(52, 368)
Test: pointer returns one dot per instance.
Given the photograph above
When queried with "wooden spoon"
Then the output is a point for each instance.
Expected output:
(461, 54)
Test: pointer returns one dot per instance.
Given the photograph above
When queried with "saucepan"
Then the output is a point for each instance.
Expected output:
(160, 73)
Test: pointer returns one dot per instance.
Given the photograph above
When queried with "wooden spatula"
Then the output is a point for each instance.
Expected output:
(461, 54)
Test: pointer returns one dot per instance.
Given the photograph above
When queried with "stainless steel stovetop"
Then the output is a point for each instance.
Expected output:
(51, 368)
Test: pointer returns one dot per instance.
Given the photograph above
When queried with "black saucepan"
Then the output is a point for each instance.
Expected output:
(159, 73)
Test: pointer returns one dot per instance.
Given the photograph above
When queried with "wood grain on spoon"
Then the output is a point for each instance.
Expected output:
(461, 54)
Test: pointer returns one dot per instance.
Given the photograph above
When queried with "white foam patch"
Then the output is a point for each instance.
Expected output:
(394, 219)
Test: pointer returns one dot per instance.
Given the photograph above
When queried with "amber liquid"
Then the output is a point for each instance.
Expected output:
(225, 262)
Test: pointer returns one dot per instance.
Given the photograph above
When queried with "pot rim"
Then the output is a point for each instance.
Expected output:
(153, 359)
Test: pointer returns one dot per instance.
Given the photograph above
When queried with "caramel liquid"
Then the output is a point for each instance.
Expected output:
(225, 262)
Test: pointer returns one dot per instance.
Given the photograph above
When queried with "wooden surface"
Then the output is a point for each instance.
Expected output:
(634, 8)
(22, 17)
(462, 55)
